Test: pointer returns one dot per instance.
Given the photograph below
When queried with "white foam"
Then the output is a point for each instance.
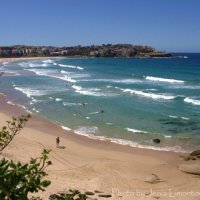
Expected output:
(124, 81)
(87, 117)
(93, 113)
(168, 136)
(173, 116)
(185, 118)
(189, 87)
(152, 89)
(49, 61)
(71, 104)
(91, 91)
(21, 106)
(33, 64)
(64, 72)
(58, 99)
(52, 74)
(31, 92)
(38, 65)
(69, 66)
(86, 130)
(34, 109)
(76, 87)
(75, 75)
(192, 101)
(67, 78)
(135, 130)
(149, 95)
(80, 68)
(43, 72)
(108, 123)
(33, 100)
(152, 78)
(129, 143)
(108, 86)
(66, 128)
(11, 103)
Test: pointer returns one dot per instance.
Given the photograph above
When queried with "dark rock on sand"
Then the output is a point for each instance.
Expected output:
(157, 141)
(195, 153)
(53, 196)
(89, 193)
(97, 191)
(105, 195)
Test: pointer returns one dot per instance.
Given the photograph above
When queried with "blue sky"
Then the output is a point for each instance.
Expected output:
(171, 25)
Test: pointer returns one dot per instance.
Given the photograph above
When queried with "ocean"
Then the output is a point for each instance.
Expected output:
(129, 101)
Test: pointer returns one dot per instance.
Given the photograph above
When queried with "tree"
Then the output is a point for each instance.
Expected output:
(13, 128)
(17, 180)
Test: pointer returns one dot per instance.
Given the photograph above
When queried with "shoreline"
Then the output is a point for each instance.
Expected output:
(88, 164)
(12, 108)
(15, 59)
(107, 140)
(2, 60)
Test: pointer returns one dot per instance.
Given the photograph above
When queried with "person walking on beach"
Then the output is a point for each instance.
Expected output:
(57, 141)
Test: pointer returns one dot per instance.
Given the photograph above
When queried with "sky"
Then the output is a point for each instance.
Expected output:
(167, 25)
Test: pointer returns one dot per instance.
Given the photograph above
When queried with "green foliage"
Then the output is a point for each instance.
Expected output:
(17, 180)
(71, 195)
(7, 133)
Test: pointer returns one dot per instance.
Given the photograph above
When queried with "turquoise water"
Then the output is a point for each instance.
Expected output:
(141, 99)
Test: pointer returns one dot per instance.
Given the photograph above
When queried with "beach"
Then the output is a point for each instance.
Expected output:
(86, 164)
(2, 60)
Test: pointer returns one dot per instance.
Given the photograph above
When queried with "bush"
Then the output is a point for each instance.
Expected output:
(17, 180)
(70, 195)
(13, 128)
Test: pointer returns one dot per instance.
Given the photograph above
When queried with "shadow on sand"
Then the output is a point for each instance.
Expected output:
(61, 147)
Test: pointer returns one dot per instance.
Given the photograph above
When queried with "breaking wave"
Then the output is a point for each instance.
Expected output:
(91, 91)
(149, 95)
(152, 78)
(66, 128)
(85, 130)
(52, 74)
(125, 81)
(71, 66)
(192, 101)
(135, 130)
(31, 92)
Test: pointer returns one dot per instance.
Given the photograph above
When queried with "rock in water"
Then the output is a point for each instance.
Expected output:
(157, 141)
(190, 168)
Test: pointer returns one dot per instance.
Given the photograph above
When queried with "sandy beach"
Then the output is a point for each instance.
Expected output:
(25, 58)
(89, 165)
